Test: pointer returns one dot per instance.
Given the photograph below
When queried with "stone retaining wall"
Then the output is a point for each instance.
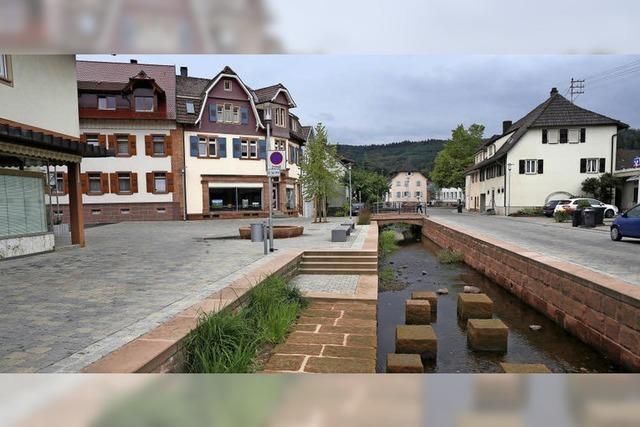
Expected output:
(600, 310)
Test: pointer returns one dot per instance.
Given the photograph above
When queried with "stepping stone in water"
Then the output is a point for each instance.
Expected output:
(404, 364)
(471, 290)
(487, 335)
(417, 312)
(442, 291)
(474, 306)
(524, 368)
(429, 296)
(417, 339)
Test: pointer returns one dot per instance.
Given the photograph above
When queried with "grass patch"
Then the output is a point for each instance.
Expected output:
(387, 242)
(561, 216)
(447, 256)
(228, 342)
(528, 212)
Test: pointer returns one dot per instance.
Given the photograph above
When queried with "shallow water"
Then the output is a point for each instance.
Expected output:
(551, 345)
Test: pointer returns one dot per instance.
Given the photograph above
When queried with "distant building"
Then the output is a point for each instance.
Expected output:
(545, 155)
(449, 196)
(408, 185)
(628, 169)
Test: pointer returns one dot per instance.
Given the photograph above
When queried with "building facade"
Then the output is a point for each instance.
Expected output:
(449, 196)
(628, 170)
(39, 130)
(223, 127)
(543, 156)
(129, 109)
(408, 186)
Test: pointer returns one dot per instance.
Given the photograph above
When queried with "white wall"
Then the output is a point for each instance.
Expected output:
(44, 93)
(561, 164)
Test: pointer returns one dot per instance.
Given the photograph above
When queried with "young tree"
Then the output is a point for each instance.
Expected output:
(370, 185)
(601, 188)
(456, 156)
(319, 177)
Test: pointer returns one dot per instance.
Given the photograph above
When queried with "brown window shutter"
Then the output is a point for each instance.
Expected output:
(102, 140)
(113, 144)
(150, 188)
(113, 177)
(132, 145)
(168, 145)
(83, 138)
(104, 182)
(65, 183)
(148, 145)
(169, 182)
(134, 182)
(84, 183)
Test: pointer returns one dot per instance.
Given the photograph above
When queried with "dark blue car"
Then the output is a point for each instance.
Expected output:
(627, 224)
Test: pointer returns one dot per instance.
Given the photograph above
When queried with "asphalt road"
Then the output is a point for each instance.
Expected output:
(591, 248)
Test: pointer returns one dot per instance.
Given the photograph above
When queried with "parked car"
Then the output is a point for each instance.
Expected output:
(610, 210)
(627, 224)
(549, 208)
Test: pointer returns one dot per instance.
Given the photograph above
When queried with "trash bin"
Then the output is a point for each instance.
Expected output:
(600, 215)
(576, 217)
(589, 218)
(257, 231)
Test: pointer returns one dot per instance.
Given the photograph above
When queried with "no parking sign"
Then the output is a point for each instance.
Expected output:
(276, 163)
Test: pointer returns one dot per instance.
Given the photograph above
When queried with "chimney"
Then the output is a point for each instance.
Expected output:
(506, 125)
(554, 90)
(133, 61)
(184, 71)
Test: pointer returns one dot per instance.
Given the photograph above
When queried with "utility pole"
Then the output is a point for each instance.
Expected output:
(576, 88)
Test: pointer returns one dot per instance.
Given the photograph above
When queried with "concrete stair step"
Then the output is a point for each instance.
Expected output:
(356, 265)
(341, 253)
(354, 271)
(346, 258)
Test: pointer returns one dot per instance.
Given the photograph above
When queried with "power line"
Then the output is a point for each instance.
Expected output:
(576, 88)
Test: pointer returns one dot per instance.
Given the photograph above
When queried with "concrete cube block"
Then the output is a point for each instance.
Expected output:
(417, 339)
(487, 334)
(474, 306)
(524, 368)
(404, 364)
(417, 312)
(429, 296)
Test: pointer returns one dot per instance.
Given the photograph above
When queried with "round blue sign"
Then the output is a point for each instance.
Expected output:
(276, 158)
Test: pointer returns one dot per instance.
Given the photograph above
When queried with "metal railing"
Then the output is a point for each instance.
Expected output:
(398, 207)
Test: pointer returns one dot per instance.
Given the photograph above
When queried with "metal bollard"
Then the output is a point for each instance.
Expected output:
(265, 240)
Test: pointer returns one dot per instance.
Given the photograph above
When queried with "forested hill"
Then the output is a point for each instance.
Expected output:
(387, 158)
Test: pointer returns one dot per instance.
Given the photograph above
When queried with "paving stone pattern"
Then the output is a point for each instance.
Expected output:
(63, 310)
(329, 337)
(337, 284)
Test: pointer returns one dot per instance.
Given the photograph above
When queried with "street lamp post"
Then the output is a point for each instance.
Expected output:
(509, 166)
(267, 120)
(350, 194)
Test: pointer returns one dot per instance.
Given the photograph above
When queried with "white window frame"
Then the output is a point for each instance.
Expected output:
(210, 145)
(228, 113)
(124, 177)
(159, 139)
(93, 139)
(398, 184)
(236, 114)
(553, 136)
(531, 167)
(253, 149)
(573, 136)
(594, 161)
(228, 85)
(244, 148)
(159, 176)
(418, 194)
(93, 177)
(191, 109)
(124, 140)
(106, 102)
(6, 72)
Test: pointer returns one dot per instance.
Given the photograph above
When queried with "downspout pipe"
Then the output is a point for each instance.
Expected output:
(504, 189)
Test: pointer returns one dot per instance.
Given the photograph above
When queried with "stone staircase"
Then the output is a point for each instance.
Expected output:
(339, 262)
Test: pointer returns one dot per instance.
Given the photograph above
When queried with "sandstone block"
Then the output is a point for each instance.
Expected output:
(404, 364)
(487, 334)
(524, 368)
(417, 339)
(474, 306)
(417, 312)
(429, 296)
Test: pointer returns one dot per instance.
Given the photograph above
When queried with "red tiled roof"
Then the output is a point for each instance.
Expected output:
(121, 72)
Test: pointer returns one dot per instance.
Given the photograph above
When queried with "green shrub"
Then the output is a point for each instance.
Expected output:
(364, 216)
(583, 203)
(387, 242)
(528, 212)
(386, 275)
(447, 256)
(561, 216)
(228, 342)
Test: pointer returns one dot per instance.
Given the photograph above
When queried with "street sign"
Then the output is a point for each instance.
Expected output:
(275, 163)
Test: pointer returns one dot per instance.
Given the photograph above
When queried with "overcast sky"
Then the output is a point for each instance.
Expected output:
(387, 98)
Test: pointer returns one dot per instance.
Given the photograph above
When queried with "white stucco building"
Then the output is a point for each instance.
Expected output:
(546, 154)
(449, 196)
(408, 186)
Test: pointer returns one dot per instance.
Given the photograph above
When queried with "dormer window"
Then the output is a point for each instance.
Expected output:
(144, 103)
(227, 85)
(190, 108)
(106, 102)
(280, 117)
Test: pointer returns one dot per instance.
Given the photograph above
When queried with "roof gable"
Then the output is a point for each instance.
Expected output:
(270, 93)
